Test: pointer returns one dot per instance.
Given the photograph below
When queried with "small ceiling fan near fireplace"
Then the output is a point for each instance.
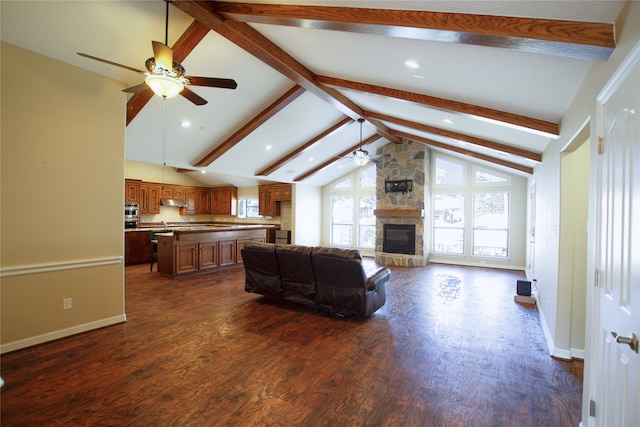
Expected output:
(166, 77)
(361, 156)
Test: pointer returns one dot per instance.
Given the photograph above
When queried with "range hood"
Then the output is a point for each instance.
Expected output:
(173, 202)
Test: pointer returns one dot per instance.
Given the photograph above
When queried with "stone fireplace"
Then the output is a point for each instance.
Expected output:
(407, 161)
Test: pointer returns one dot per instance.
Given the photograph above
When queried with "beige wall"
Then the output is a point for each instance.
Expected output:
(62, 189)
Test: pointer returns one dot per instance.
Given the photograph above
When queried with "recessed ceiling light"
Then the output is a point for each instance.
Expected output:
(447, 121)
(412, 63)
(418, 76)
(203, 171)
(267, 147)
(185, 123)
(311, 159)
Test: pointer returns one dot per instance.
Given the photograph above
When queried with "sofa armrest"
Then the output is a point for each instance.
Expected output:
(378, 278)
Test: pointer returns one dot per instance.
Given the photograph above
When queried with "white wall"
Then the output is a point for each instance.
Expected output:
(306, 215)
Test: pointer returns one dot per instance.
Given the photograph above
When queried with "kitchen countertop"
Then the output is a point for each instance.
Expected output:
(200, 228)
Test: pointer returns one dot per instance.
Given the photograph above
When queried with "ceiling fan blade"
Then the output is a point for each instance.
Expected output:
(137, 88)
(379, 156)
(135, 70)
(213, 82)
(193, 97)
(163, 55)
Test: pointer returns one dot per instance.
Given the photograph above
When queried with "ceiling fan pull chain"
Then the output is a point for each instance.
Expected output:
(166, 25)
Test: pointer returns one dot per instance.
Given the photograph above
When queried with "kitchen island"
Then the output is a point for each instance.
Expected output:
(202, 249)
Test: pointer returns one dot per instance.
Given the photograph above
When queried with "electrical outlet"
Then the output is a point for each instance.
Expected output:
(66, 304)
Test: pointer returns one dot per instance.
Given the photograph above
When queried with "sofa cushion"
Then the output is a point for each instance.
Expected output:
(262, 273)
(298, 281)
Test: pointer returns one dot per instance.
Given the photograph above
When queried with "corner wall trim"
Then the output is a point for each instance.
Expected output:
(50, 336)
(59, 266)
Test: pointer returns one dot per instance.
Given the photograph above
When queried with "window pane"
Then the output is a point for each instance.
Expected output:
(366, 222)
(448, 223)
(343, 184)
(482, 177)
(341, 220)
(491, 224)
(368, 177)
(448, 172)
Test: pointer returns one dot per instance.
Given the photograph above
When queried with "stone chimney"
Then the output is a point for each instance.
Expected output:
(407, 161)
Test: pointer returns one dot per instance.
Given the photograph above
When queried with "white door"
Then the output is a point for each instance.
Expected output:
(617, 401)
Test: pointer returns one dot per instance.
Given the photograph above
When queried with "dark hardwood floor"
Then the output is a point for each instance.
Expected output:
(450, 348)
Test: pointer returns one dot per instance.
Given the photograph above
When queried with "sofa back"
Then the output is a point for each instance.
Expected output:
(262, 273)
(340, 279)
(296, 271)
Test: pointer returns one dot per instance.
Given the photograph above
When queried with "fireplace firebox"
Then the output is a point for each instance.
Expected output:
(399, 239)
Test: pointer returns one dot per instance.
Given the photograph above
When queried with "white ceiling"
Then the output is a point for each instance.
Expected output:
(530, 84)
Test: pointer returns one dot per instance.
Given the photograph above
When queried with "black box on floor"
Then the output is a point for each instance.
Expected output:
(523, 287)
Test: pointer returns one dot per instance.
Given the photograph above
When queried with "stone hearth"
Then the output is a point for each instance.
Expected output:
(409, 160)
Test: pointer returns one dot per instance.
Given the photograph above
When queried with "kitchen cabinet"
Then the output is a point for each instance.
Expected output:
(132, 191)
(150, 198)
(137, 247)
(186, 257)
(227, 252)
(270, 196)
(190, 197)
(203, 201)
(224, 200)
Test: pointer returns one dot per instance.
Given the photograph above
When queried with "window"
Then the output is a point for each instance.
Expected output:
(448, 223)
(491, 224)
(341, 220)
(366, 222)
(448, 172)
(248, 207)
(353, 200)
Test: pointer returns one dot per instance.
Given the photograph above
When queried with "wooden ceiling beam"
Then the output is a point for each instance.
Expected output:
(504, 118)
(339, 157)
(585, 40)
(181, 49)
(252, 125)
(457, 136)
(468, 153)
(295, 153)
(271, 54)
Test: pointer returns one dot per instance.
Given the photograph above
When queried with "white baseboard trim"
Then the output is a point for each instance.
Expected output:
(573, 353)
(432, 260)
(50, 336)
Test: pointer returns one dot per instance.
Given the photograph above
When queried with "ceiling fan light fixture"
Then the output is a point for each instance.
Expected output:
(360, 157)
(164, 86)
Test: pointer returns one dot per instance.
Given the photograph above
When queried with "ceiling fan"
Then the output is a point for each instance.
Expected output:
(361, 156)
(166, 77)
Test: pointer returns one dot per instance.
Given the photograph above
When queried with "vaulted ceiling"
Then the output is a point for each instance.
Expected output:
(488, 80)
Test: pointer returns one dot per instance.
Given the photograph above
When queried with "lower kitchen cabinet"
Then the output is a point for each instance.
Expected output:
(137, 247)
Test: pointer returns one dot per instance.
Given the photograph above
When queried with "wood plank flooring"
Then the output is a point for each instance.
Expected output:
(450, 348)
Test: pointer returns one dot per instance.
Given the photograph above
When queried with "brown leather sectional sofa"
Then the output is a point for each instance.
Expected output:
(331, 279)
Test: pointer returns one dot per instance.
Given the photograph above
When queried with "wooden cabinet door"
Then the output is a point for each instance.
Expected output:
(203, 201)
(190, 198)
(208, 255)
(153, 198)
(186, 257)
(167, 191)
(144, 198)
(137, 247)
(179, 192)
(131, 191)
(227, 254)
(263, 201)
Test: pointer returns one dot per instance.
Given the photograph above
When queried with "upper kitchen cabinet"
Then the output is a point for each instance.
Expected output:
(131, 191)
(224, 200)
(150, 198)
(270, 196)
